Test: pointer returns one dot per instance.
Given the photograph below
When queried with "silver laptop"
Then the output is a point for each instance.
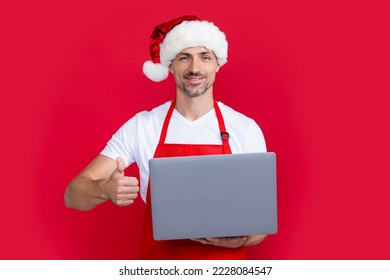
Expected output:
(213, 196)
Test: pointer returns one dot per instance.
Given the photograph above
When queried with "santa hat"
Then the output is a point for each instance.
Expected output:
(170, 38)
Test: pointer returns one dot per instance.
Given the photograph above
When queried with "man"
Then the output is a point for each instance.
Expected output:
(192, 124)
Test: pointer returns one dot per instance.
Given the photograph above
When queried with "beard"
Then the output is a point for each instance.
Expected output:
(195, 90)
(191, 91)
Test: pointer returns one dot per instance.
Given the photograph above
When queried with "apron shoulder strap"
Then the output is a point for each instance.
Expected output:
(164, 129)
(224, 134)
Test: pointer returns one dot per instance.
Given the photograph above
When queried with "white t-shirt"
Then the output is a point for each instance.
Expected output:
(137, 139)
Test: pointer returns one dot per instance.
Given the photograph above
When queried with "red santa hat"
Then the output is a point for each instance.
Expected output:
(170, 38)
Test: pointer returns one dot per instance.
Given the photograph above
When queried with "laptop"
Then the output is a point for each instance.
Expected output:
(213, 195)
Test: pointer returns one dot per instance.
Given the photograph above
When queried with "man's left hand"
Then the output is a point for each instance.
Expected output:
(227, 242)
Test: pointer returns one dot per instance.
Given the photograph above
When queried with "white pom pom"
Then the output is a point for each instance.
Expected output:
(155, 71)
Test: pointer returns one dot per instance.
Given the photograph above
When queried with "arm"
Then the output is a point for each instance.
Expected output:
(103, 179)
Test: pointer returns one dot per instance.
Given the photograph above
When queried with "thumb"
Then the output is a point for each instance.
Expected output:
(120, 165)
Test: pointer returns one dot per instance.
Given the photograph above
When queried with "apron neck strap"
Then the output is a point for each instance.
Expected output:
(224, 134)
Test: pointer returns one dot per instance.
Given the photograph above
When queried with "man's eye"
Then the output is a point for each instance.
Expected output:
(206, 58)
(183, 58)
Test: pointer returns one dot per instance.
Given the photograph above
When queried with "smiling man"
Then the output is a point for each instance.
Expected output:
(193, 123)
(194, 70)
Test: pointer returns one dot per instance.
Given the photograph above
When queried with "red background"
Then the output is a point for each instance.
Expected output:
(314, 75)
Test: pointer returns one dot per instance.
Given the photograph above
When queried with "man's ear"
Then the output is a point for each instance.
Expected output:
(170, 68)
(216, 70)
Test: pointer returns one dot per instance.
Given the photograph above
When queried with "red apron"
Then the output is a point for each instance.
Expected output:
(184, 249)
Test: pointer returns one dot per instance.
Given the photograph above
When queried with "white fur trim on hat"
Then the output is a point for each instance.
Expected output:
(155, 71)
(194, 34)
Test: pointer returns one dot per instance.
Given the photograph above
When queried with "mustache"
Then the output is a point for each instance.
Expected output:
(193, 74)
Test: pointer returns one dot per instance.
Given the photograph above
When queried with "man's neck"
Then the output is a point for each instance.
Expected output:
(193, 108)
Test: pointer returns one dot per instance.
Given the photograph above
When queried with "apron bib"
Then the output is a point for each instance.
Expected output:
(184, 249)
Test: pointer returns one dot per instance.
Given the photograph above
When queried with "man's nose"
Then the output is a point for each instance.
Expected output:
(194, 66)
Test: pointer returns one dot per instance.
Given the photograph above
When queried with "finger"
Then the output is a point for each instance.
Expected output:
(126, 196)
(130, 181)
(126, 182)
(213, 240)
(124, 190)
(124, 199)
(124, 202)
(229, 242)
(200, 240)
(120, 165)
(127, 202)
(130, 190)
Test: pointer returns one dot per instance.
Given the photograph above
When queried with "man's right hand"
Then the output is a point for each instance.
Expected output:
(120, 189)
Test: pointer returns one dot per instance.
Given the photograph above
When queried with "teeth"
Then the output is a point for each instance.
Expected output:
(198, 78)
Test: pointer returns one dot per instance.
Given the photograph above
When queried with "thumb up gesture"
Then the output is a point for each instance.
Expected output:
(121, 189)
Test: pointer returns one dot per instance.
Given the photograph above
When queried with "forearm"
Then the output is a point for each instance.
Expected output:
(84, 194)
(254, 239)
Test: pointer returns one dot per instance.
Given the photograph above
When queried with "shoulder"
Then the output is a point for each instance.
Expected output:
(146, 118)
(154, 114)
(234, 117)
(141, 128)
(246, 134)
(142, 122)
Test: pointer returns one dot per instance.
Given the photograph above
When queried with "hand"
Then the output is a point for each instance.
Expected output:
(227, 242)
(120, 189)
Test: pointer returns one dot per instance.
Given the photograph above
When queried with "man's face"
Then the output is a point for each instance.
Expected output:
(194, 70)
